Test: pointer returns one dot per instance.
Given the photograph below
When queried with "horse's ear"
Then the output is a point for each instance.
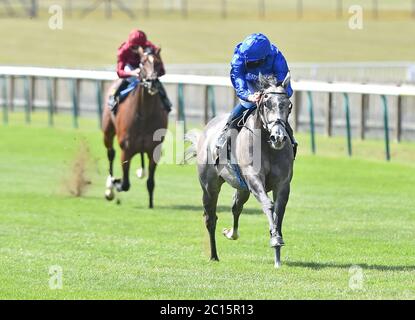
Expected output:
(263, 81)
(158, 50)
(287, 80)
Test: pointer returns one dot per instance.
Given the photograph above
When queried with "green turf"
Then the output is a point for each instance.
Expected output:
(342, 212)
(206, 38)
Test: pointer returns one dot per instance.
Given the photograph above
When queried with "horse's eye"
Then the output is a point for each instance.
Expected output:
(266, 96)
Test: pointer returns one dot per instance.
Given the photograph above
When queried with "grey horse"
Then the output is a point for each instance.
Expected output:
(261, 161)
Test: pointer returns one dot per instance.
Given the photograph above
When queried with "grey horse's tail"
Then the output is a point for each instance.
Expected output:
(191, 152)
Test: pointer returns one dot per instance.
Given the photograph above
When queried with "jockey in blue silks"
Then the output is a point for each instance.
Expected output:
(255, 55)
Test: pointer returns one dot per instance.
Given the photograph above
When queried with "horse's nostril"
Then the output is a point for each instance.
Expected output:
(285, 138)
(272, 138)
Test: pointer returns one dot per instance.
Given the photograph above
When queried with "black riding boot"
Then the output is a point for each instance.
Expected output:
(292, 139)
(163, 96)
(224, 136)
(114, 97)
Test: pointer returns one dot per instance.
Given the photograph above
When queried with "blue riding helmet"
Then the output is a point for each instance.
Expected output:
(255, 47)
(252, 57)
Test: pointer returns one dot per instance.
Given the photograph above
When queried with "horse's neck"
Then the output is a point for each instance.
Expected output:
(146, 104)
(142, 98)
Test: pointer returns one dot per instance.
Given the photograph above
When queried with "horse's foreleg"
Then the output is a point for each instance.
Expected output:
(281, 200)
(239, 199)
(150, 180)
(111, 156)
(125, 163)
(258, 190)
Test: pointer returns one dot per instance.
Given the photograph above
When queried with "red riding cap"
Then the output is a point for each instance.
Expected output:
(137, 38)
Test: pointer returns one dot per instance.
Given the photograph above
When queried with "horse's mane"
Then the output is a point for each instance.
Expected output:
(264, 82)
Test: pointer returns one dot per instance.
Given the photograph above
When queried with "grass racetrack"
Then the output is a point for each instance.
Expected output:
(342, 212)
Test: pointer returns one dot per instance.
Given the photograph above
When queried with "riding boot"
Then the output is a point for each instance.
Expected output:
(224, 136)
(231, 123)
(114, 96)
(292, 139)
(163, 96)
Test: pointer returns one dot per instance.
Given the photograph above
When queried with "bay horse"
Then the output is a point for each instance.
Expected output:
(138, 117)
(263, 162)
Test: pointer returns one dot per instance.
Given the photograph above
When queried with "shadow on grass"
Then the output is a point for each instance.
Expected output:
(325, 265)
(220, 209)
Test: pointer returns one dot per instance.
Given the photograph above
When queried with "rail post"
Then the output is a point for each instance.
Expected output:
(50, 101)
(32, 93)
(399, 119)
(312, 128)
(348, 126)
(55, 95)
(26, 90)
(386, 127)
(4, 94)
(99, 92)
(329, 118)
(212, 103)
(363, 114)
(11, 96)
(180, 102)
(75, 101)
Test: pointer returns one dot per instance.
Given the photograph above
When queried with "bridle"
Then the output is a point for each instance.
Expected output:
(266, 124)
(147, 83)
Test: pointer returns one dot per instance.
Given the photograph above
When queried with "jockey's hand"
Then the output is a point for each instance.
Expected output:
(254, 97)
(135, 73)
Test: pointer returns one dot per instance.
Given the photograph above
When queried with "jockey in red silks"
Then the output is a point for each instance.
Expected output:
(128, 66)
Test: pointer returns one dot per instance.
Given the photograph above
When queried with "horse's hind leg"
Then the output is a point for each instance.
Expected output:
(150, 180)
(239, 199)
(109, 133)
(210, 200)
(141, 172)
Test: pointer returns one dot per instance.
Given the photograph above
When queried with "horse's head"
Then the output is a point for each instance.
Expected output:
(151, 67)
(274, 108)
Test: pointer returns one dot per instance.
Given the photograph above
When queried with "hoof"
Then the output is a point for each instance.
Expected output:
(118, 201)
(230, 234)
(141, 173)
(277, 265)
(276, 242)
(109, 183)
(215, 259)
(109, 194)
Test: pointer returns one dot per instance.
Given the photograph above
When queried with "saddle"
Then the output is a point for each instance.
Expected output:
(126, 88)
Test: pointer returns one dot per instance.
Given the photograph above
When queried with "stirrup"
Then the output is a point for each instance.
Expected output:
(113, 102)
